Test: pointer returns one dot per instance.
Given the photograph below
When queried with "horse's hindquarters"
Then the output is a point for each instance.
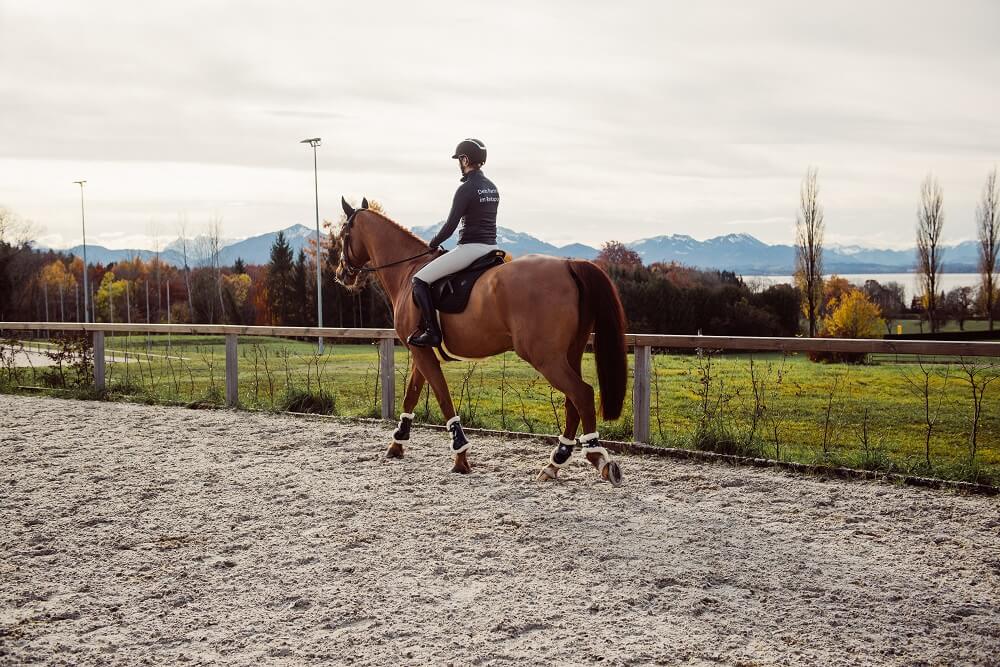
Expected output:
(529, 303)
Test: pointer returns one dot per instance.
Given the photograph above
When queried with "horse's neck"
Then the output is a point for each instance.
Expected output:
(387, 243)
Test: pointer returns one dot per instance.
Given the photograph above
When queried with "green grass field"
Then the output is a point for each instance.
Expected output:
(912, 326)
(785, 407)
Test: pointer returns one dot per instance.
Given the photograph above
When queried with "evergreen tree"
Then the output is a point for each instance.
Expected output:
(280, 286)
(300, 284)
(239, 266)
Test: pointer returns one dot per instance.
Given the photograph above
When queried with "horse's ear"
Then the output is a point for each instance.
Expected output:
(364, 202)
(348, 211)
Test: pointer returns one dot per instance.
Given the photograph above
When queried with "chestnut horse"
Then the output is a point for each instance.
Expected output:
(543, 308)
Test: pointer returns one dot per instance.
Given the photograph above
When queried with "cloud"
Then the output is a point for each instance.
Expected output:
(601, 122)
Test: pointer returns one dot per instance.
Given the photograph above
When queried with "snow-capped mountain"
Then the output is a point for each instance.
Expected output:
(742, 253)
(252, 250)
(517, 243)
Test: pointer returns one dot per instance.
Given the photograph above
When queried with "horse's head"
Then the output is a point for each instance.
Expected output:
(353, 254)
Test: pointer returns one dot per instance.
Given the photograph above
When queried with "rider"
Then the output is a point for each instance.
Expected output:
(475, 204)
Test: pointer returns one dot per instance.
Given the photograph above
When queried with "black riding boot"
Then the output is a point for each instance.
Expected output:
(431, 334)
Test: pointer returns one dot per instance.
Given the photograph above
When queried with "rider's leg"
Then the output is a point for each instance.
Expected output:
(430, 333)
(445, 265)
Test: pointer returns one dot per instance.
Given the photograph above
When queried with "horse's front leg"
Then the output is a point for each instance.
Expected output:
(410, 400)
(430, 368)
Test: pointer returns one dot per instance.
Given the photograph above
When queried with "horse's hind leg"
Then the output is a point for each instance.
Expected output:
(575, 359)
(430, 368)
(564, 449)
(410, 399)
(562, 375)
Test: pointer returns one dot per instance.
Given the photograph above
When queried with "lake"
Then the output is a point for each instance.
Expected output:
(949, 281)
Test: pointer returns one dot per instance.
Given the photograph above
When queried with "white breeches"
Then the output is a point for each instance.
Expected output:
(453, 261)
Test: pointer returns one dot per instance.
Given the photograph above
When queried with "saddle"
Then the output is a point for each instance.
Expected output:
(451, 293)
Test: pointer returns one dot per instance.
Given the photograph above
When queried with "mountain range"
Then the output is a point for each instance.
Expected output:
(742, 253)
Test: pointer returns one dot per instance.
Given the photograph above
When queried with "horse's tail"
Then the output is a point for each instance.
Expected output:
(601, 308)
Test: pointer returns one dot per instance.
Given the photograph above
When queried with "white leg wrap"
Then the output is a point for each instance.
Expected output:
(563, 440)
(463, 448)
(403, 415)
(602, 463)
(584, 439)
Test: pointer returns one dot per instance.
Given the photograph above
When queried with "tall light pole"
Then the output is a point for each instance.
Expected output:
(315, 142)
(83, 222)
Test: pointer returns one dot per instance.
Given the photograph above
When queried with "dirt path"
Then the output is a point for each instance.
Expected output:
(132, 532)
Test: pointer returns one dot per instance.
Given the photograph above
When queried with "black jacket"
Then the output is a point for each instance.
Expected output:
(476, 200)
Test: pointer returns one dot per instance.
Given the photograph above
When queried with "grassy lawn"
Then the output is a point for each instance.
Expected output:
(912, 326)
(785, 407)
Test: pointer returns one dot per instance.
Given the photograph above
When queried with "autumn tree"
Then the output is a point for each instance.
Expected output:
(615, 253)
(57, 282)
(809, 228)
(110, 302)
(834, 288)
(988, 226)
(854, 316)
(930, 221)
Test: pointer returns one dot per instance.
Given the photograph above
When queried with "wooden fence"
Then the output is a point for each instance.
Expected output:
(642, 345)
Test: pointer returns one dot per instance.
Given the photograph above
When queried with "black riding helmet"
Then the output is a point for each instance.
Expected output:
(473, 149)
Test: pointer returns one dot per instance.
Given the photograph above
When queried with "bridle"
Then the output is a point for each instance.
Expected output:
(352, 269)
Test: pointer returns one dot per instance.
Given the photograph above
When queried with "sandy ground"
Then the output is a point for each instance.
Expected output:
(31, 358)
(134, 533)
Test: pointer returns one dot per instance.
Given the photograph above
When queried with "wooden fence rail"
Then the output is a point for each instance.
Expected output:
(642, 344)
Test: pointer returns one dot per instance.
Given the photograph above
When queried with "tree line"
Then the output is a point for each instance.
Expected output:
(46, 285)
(935, 306)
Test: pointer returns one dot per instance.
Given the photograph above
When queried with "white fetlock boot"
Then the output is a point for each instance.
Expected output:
(600, 458)
(559, 457)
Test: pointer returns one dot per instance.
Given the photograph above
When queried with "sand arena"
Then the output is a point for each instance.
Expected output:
(135, 533)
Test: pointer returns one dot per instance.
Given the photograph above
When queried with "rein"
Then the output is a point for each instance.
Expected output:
(349, 265)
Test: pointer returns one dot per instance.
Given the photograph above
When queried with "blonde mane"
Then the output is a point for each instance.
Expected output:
(396, 224)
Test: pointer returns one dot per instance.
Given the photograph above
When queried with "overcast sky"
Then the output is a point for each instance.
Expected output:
(604, 120)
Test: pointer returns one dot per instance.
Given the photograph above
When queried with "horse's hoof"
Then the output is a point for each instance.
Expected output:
(613, 474)
(395, 451)
(548, 474)
(461, 469)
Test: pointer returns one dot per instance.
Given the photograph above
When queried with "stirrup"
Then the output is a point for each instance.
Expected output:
(423, 338)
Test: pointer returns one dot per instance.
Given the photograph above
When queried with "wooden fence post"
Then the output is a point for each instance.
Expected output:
(232, 372)
(387, 371)
(99, 360)
(640, 393)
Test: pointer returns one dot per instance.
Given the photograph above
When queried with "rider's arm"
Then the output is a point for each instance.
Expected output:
(458, 207)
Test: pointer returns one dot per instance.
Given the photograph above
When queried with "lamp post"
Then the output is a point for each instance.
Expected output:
(315, 142)
(83, 223)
